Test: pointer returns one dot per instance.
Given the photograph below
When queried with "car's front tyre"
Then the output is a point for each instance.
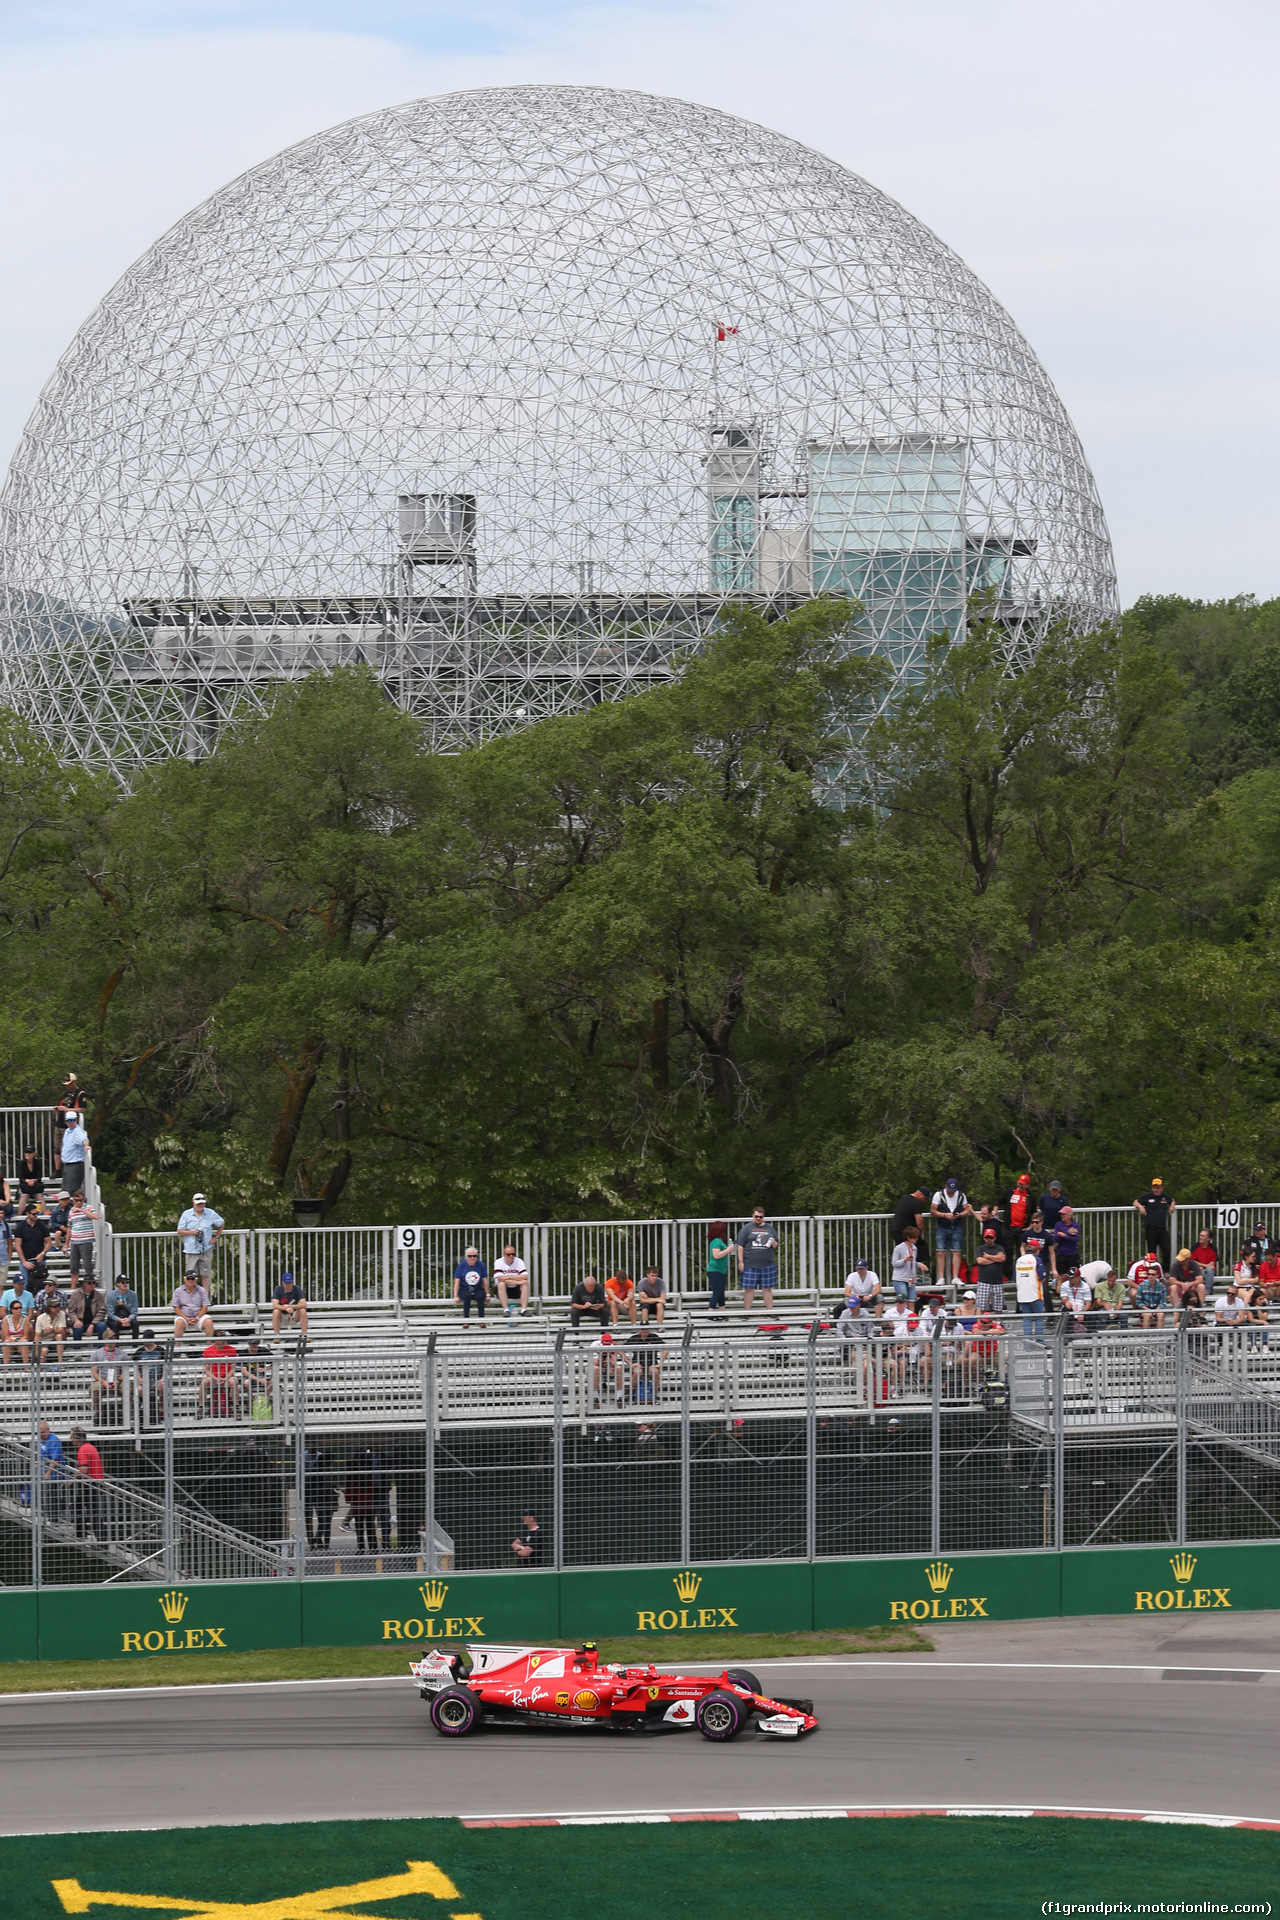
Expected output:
(721, 1716)
(744, 1678)
(455, 1711)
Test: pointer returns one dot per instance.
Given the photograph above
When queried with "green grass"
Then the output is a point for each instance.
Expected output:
(927, 1869)
(339, 1663)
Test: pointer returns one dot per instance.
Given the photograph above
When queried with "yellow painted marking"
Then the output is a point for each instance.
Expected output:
(326, 1903)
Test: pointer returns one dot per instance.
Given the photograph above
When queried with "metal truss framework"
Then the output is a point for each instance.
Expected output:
(508, 394)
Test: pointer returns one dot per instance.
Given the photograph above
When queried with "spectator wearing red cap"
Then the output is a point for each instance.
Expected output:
(990, 1269)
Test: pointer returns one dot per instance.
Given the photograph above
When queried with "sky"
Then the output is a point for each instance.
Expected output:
(1110, 168)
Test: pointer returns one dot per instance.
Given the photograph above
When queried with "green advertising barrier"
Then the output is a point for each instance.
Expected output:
(745, 1597)
(520, 1607)
(123, 1623)
(969, 1586)
(19, 1625)
(1172, 1580)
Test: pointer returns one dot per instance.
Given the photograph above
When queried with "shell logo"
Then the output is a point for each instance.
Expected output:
(586, 1700)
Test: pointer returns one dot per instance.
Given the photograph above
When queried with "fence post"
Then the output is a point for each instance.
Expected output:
(935, 1439)
(37, 1490)
(1059, 1428)
(686, 1518)
(811, 1444)
(557, 1463)
(818, 1228)
(389, 1291)
(300, 1458)
(243, 1238)
(1180, 1415)
(429, 1490)
(170, 1568)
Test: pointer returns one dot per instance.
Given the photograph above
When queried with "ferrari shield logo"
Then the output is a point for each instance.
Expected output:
(325, 1903)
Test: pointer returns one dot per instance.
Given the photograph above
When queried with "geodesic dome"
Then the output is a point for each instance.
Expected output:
(508, 394)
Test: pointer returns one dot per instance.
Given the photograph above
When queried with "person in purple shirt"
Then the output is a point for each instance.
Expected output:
(1064, 1243)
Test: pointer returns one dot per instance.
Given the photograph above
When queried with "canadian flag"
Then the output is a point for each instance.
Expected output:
(722, 333)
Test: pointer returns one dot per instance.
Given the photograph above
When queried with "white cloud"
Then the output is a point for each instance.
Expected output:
(1108, 166)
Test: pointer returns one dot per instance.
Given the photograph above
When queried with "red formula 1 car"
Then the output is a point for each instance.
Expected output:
(573, 1687)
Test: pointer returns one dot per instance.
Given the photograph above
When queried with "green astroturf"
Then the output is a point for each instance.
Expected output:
(910, 1869)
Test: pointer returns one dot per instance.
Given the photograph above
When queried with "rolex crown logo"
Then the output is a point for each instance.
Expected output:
(173, 1605)
(433, 1593)
(1184, 1565)
(938, 1574)
(687, 1584)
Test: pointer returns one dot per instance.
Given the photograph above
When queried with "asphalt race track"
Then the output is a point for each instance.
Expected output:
(1187, 1725)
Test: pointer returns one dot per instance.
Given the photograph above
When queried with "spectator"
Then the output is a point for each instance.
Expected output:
(31, 1175)
(646, 1367)
(59, 1212)
(256, 1375)
(361, 1501)
(510, 1275)
(75, 1151)
(52, 1471)
(190, 1306)
(108, 1384)
(620, 1291)
(1269, 1273)
(757, 1247)
(150, 1362)
(87, 1312)
(1029, 1277)
(51, 1325)
(71, 1100)
(1110, 1296)
(122, 1307)
(719, 1254)
(1247, 1266)
(21, 1292)
(1034, 1239)
(988, 1216)
(909, 1212)
(1051, 1204)
(900, 1319)
(1150, 1295)
(218, 1386)
(855, 1323)
(1204, 1253)
(16, 1328)
(1231, 1311)
(1019, 1206)
(1254, 1302)
(950, 1208)
(8, 1241)
(991, 1268)
(905, 1265)
(320, 1499)
(1157, 1210)
(651, 1297)
(82, 1228)
(608, 1370)
(471, 1286)
(32, 1238)
(1258, 1245)
(89, 1475)
(200, 1230)
(863, 1283)
(527, 1545)
(1186, 1282)
(289, 1302)
(588, 1302)
(1064, 1242)
(1076, 1296)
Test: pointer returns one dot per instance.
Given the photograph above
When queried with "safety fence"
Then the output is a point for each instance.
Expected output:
(274, 1464)
(415, 1264)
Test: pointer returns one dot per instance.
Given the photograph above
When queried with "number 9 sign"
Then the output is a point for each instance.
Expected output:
(410, 1239)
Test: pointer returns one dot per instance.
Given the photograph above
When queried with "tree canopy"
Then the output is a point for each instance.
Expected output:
(635, 960)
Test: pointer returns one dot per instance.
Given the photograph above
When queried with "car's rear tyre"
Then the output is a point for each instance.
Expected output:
(455, 1711)
(744, 1678)
(721, 1716)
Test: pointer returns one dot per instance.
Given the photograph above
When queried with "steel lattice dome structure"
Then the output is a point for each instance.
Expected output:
(508, 394)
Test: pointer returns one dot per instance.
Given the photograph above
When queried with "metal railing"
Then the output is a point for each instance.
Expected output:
(262, 1462)
(371, 1265)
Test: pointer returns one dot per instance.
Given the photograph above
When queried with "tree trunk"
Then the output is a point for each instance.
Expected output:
(336, 1178)
(299, 1081)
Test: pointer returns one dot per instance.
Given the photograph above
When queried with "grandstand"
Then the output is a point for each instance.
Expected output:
(392, 1440)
